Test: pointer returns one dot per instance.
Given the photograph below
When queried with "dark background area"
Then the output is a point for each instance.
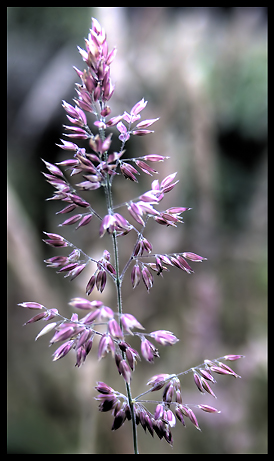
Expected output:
(203, 71)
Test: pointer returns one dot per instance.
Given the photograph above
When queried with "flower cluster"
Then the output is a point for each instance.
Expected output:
(78, 334)
(98, 166)
(170, 406)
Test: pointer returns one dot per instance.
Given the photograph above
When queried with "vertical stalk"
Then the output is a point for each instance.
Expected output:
(133, 420)
(118, 283)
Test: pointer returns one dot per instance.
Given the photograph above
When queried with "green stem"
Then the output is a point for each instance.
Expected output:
(118, 283)
(133, 420)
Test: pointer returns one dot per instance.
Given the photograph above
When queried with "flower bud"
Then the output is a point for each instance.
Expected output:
(147, 278)
(31, 305)
(135, 275)
(129, 321)
(46, 329)
(148, 350)
(106, 345)
(103, 388)
(62, 350)
(114, 329)
(164, 337)
(209, 409)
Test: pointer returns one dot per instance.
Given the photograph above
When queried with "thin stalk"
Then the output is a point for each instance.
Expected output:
(133, 420)
(118, 283)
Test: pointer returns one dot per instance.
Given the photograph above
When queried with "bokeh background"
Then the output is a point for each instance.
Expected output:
(204, 73)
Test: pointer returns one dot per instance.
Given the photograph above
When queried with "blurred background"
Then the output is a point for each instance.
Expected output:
(204, 72)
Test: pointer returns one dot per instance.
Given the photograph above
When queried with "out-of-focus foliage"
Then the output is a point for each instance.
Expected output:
(203, 71)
